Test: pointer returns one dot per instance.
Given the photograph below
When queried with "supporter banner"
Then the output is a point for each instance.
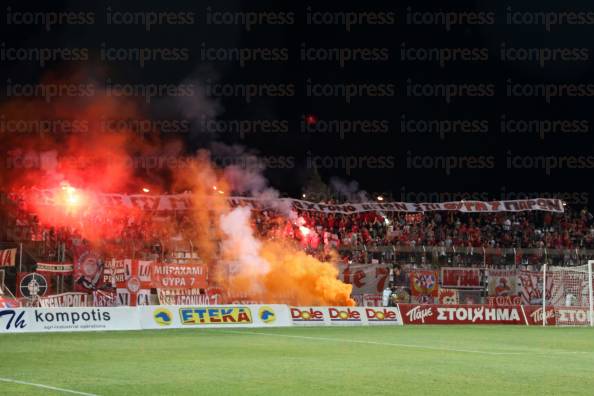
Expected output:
(184, 202)
(504, 301)
(531, 291)
(8, 257)
(460, 277)
(114, 272)
(466, 297)
(460, 314)
(365, 278)
(448, 297)
(105, 298)
(372, 300)
(66, 300)
(7, 302)
(168, 316)
(179, 276)
(186, 297)
(22, 320)
(88, 272)
(135, 289)
(32, 285)
(55, 268)
(423, 286)
(569, 288)
(534, 315)
(502, 283)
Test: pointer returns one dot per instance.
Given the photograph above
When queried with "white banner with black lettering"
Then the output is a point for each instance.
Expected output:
(183, 201)
(28, 320)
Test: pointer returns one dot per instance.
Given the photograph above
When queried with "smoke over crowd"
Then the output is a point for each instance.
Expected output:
(94, 147)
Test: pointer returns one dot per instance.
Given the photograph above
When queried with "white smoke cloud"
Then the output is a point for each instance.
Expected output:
(349, 190)
(239, 243)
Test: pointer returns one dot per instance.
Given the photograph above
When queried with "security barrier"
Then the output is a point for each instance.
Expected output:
(23, 320)
(29, 320)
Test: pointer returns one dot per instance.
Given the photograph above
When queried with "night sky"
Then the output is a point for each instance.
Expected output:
(487, 98)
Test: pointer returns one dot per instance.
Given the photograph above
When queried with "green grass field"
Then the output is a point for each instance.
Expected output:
(428, 360)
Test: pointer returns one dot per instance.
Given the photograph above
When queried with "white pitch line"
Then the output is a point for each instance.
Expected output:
(375, 343)
(46, 387)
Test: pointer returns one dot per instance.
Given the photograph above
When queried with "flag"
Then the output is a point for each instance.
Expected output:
(135, 289)
(7, 257)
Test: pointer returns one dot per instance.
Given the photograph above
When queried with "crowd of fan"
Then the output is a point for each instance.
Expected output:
(148, 232)
(569, 230)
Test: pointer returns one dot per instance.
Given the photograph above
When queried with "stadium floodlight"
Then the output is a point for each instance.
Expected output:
(568, 291)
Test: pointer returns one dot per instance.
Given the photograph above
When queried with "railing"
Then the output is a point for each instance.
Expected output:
(439, 256)
(436, 256)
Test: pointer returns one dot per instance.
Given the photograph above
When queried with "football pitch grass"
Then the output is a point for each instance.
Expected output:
(427, 360)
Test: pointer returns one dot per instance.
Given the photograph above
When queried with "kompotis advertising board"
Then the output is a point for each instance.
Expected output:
(23, 320)
(461, 314)
(176, 317)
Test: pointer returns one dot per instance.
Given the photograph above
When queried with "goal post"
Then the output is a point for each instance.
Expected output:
(590, 290)
(568, 291)
(544, 294)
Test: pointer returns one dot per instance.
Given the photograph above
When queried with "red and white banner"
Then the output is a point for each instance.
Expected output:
(179, 276)
(114, 272)
(8, 257)
(136, 287)
(187, 297)
(55, 268)
(504, 301)
(569, 285)
(365, 278)
(7, 302)
(460, 278)
(65, 300)
(372, 300)
(502, 283)
(424, 286)
(460, 314)
(184, 202)
(88, 272)
(448, 297)
(531, 291)
(105, 298)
